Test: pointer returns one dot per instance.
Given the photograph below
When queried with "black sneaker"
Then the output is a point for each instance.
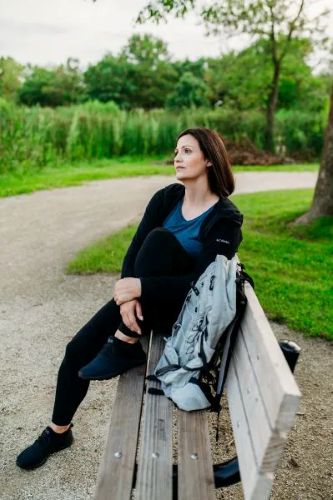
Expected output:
(47, 443)
(115, 358)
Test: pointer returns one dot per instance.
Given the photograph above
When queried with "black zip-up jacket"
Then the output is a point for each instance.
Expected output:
(220, 233)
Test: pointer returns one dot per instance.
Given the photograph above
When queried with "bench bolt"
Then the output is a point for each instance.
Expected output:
(194, 456)
(155, 454)
(118, 454)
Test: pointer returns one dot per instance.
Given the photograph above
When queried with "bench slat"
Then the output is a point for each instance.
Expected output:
(263, 398)
(115, 476)
(255, 486)
(154, 481)
(195, 468)
(270, 365)
(254, 406)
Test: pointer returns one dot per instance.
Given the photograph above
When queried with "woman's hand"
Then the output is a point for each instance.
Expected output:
(126, 289)
(130, 311)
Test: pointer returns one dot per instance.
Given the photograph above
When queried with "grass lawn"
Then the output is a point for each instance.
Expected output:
(74, 174)
(290, 265)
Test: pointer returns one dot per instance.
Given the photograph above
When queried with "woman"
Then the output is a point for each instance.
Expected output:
(184, 227)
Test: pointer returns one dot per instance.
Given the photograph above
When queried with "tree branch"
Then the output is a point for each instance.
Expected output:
(292, 27)
(272, 34)
(156, 11)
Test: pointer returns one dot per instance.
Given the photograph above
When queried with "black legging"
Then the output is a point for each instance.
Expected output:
(160, 254)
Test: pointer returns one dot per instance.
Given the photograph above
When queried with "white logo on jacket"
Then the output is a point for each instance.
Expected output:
(220, 240)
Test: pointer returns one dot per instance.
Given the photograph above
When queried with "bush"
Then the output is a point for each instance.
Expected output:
(301, 132)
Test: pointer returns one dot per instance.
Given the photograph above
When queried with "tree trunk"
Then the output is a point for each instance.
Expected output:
(322, 203)
(271, 107)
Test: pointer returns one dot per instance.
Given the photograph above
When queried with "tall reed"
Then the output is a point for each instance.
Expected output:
(32, 138)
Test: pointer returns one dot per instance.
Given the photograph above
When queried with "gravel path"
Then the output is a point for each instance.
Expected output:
(41, 308)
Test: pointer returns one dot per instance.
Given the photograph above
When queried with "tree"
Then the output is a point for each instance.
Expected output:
(242, 79)
(189, 92)
(10, 77)
(110, 80)
(66, 85)
(196, 68)
(140, 76)
(322, 203)
(145, 49)
(32, 90)
(277, 21)
(58, 86)
(152, 74)
(153, 85)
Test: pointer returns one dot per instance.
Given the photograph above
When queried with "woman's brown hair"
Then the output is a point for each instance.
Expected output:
(220, 177)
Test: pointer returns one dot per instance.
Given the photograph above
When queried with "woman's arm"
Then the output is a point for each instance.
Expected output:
(151, 219)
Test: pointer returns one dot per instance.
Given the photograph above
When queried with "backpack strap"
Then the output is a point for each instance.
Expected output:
(232, 331)
(205, 389)
(155, 391)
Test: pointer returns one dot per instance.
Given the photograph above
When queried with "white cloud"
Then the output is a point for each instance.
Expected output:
(48, 32)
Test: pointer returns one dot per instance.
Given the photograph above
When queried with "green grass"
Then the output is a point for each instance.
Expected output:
(75, 174)
(290, 264)
(299, 167)
(104, 256)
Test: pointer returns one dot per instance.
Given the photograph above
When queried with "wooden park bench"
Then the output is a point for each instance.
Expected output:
(262, 398)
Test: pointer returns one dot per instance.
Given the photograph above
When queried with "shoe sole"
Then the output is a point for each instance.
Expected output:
(46, 458)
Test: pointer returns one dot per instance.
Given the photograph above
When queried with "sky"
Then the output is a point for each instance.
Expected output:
(47, 32)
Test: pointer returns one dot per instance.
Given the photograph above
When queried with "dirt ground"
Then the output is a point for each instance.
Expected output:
(41, 308)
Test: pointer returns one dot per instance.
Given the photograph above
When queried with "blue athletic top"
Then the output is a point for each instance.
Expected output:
(186, 231)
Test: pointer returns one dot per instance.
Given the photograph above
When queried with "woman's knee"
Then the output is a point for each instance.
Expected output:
(73, 352)
(92, 336)
(158, 253)
(79, 350)
(160, 235)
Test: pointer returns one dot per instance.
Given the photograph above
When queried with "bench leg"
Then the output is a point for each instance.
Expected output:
(291, 352)
(227, 473)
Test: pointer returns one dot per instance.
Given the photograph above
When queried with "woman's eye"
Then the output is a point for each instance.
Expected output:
(186, 151)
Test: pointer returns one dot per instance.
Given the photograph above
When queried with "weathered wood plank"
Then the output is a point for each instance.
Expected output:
(154, 480)
(195, 468)
(267, 441)
(271, 367)
(263, 398)
(252, 480)
(254, 407)
(115, 476)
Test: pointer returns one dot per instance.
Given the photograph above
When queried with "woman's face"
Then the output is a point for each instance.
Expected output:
(189, 160)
